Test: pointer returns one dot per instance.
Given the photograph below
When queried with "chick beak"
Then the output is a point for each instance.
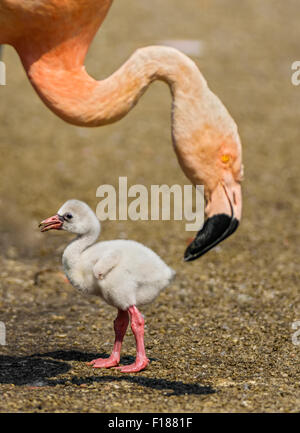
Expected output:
(54, 222)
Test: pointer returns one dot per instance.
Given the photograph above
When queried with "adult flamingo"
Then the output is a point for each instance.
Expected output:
(52, 38)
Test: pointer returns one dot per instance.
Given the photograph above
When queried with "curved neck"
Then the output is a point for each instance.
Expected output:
(78, 245)
(73, 95)
(202, 128)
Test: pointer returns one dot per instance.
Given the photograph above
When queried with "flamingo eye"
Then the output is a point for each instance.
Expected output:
(68, 216)
(225, 158)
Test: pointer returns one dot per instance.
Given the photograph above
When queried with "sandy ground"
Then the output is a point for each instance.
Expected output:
(220, 338)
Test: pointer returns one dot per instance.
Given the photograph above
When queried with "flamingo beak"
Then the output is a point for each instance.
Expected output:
(54, 222)
(223, 216)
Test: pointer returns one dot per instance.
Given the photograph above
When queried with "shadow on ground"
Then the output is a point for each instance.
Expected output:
(76, 355)
(34, 370)
(29, 370)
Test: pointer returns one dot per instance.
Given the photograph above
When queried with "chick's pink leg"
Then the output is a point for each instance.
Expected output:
(137, 326)
(120, 326)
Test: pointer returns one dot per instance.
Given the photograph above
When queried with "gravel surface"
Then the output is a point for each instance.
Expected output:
(220, 338)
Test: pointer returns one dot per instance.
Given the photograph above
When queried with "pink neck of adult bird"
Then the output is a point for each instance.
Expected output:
(53, 46)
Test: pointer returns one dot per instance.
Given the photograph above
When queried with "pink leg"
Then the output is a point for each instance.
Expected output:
(137, 326)
(120, 326)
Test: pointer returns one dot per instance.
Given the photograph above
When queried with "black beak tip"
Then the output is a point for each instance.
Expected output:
(214, 231)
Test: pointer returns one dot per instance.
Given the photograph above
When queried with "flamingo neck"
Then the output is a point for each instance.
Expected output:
(202, 128)
(72, 254)
(73, 95)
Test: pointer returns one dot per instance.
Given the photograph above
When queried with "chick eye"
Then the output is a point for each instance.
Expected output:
(68, 216)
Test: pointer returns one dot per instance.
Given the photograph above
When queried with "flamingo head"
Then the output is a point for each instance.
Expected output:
(74, 216)
(216, 164)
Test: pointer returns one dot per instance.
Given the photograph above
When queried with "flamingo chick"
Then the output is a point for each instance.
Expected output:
(124, 273)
